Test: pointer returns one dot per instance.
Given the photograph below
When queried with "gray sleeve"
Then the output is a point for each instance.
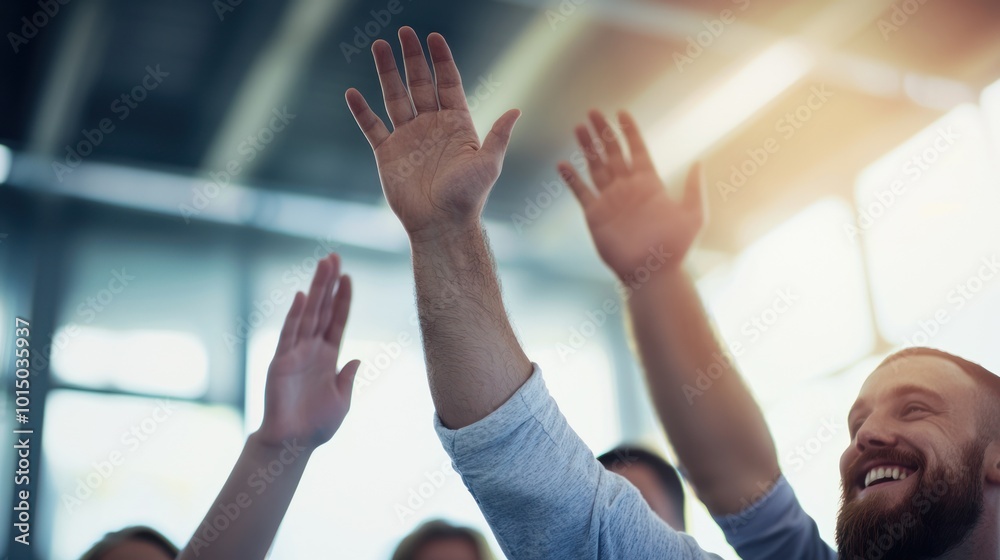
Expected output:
(775, 526)
(545, 495)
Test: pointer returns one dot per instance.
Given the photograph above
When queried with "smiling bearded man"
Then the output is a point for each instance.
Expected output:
(913, 478)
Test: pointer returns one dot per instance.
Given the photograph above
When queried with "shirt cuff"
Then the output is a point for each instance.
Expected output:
(500, 423)
(759, 516)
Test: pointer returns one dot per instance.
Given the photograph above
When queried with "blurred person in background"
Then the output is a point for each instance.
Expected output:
(656, 479)
(132, 543)
(440, 540)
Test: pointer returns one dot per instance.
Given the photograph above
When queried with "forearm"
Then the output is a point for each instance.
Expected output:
(474, 361)
(718, 431)
(245, 516)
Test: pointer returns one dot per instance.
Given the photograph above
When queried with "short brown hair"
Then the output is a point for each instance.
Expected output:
(135, 533)
(624, 456)
(440, 530)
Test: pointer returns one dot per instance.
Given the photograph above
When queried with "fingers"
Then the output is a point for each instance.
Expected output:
(373, 127)
(576, 184)
(289, 331)
(636, 145)
(310, 315)
(498, 138)
(613, 149)
(341, 307)
(448, 93)
(418, 73)
(694, 191)
(397, 100)
(323, 312)
(449, 81)
(599, 172)
(326, 305)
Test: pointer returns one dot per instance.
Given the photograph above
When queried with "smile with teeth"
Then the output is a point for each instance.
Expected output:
(886, 473)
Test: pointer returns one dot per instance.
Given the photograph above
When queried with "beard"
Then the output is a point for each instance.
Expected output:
(944, 506)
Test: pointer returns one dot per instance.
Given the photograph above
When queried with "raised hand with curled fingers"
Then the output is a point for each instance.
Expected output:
(630, 214)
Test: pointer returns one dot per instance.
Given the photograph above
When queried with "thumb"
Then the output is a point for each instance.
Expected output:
(345, 379)
(496, 141)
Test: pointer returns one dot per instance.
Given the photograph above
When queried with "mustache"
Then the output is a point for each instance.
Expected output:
(887, 455)
(943, 508)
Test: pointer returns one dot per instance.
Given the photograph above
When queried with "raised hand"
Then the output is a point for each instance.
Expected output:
(305, 401)
(305, 398)
(630, 215)
(435, 173)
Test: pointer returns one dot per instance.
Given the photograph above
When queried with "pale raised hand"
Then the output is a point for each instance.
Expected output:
(434, 172)
(630, 215)
(305, 398)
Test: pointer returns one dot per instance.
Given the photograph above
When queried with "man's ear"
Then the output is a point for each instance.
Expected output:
(992, 463)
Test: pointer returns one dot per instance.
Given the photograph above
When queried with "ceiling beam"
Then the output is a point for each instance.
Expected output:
(70, 76)
(270, 81)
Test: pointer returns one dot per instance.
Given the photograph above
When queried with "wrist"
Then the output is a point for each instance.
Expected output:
(446, 235)
(640, 269)
(285, 450)
(640, 282)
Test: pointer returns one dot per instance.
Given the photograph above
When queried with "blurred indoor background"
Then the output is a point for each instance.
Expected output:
(169, 172)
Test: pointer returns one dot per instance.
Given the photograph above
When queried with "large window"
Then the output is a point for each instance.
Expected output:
(114, 461)
(142, 421)
(793, 306)
(927, 216)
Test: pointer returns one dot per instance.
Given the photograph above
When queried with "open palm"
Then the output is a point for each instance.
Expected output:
(630, 215)
(305, 398)
(433, 169)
